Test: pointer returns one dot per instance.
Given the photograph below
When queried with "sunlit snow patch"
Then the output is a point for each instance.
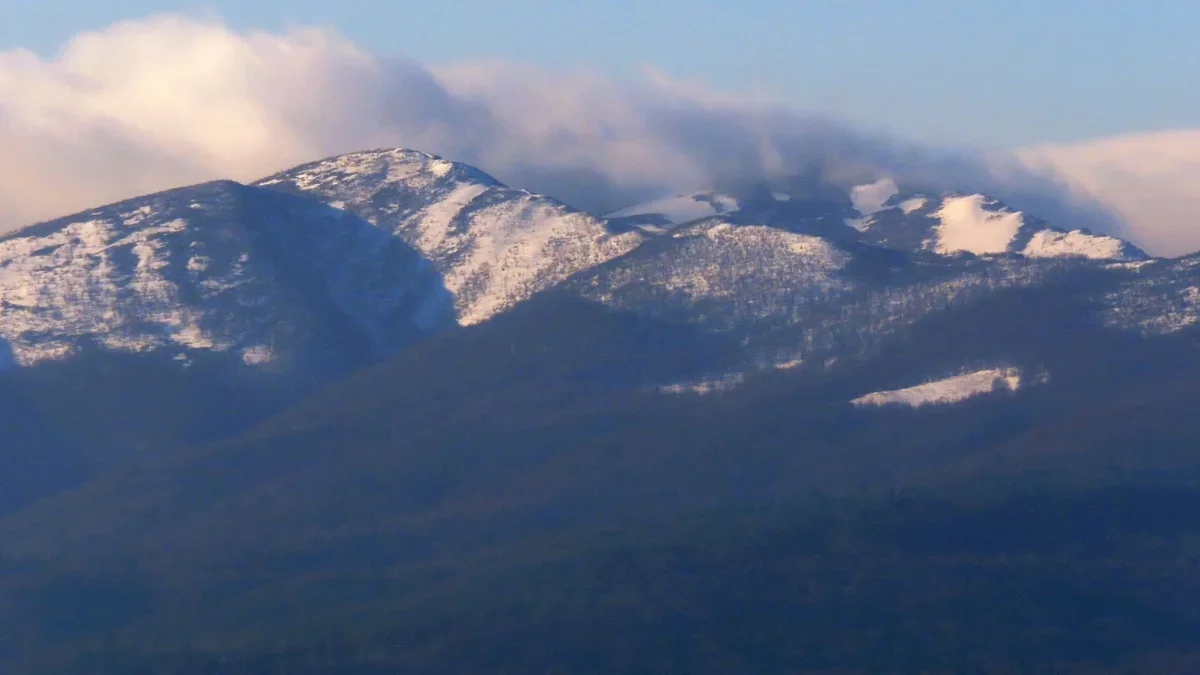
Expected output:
(949, 390)
(868, 200)
(1050, 244)
(913, 204)
(967, 226)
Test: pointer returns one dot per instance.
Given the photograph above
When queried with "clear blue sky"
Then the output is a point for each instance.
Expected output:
(991, 73)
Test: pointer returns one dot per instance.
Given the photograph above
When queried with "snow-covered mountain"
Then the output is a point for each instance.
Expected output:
(351, 258)
(803, 280)
(244, 298)
(790, 298)
(379, 248)
(221, 271)
(878, 213)
(493, 245)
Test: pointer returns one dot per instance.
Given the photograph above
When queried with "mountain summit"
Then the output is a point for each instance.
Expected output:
(493, 245)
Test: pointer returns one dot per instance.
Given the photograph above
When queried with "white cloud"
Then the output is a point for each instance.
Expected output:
(1151, 180)
(155, 103)
(146, 105)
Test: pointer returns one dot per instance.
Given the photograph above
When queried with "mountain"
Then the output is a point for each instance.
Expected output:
(807, 303)
(879, 214)
(217, 272)
(393, 245)
(388, 246)
(257, 295)
(381, 413)
(247, 297)
(493, 245)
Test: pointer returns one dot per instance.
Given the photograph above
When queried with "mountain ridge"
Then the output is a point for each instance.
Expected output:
(492, 246)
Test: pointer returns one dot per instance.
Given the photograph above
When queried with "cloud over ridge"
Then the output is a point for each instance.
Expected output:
(170, 100)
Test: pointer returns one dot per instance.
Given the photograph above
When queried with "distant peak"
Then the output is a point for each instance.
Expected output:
(395, 153)
(391, 164)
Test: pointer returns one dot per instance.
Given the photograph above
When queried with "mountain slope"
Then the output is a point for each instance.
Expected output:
(387, 246)
(803, 301)
(137, 328)
(493, 245)
(546, 410)
(217, 271)
(877, 213)
(536, 425)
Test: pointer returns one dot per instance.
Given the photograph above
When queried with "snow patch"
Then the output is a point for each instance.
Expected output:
(438, 216)
(861, 224)
(869, 199)
(967, 226)
(441, 168)
(1130, 265)
(914, 204)
(1051, 244)
(705, 386)
(682, 208)
(948, 390)
(781, 196)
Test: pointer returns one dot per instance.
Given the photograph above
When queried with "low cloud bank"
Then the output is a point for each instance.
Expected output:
(1150, 181)
(151, 104)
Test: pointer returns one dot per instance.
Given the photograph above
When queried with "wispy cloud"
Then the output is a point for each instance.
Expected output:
(170, 100)
(1152, 181)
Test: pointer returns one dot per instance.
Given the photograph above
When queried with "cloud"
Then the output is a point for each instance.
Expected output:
(1151, 180)
(155, 103)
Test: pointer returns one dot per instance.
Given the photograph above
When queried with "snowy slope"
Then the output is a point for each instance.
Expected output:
(878, 213)
(948, 390)
(493, 245)
(721, 274)
(1158, 298)
(791, 298)
(976, 224)
(218, 269)
(1052, 244)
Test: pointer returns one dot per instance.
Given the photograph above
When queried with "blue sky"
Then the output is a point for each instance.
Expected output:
(987, 73)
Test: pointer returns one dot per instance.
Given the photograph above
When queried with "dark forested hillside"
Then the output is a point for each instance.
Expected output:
(514, 497)
(1094, 581)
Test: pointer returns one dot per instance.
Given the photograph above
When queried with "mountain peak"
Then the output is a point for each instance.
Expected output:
(397, 167)
(493, 245)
